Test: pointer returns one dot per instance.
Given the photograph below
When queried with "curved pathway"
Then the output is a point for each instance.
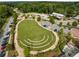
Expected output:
(37, 46)
(55, 43)
(20, 50)
(39, 42)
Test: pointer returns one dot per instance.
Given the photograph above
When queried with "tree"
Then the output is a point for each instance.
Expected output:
(9, 47)
(12, 37)
(5, 11)
(51, 19)
(33, 16)
(69, 37)
(39, 18)
(69, 25)
(13, 29)
(2, 21)
(69, 9)
(62, 38)
(74, 24)
(27, 52)
(60, 24)
(78, 21)
(15, 18)
(76, 41)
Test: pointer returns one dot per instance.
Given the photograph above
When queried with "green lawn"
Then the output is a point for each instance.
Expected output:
(31, 35)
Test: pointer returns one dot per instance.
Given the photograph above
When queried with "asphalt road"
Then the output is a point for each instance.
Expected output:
(6, 29)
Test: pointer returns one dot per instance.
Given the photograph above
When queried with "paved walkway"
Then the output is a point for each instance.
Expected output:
(6, 55)
(18, 48)
(55, 43)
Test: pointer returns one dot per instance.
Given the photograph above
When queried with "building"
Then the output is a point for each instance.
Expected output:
(59, 16)
(69, 50)
(75, 35)
(75, 32)
(77, 17)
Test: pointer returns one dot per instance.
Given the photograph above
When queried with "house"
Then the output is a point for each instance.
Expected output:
(77, 17)
(75, 32)
(69, 50)
(59, 16)
(75, 35)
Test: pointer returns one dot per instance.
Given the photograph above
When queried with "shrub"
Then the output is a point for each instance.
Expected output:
(27, 52)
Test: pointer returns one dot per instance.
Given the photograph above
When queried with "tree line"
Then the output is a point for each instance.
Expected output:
(67, 8)
(5, 11)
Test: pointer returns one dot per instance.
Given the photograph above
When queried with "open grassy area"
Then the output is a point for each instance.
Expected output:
(31, 35)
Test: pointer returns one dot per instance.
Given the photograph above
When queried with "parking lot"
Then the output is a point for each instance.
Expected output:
(4, 38)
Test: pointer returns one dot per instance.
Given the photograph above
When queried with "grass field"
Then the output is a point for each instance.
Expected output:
(31, 35)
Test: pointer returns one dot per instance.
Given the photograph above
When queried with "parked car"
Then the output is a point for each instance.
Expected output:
(2, 53)
(6, 37)
(4, 42)
(3, 47)
(8, 33)
(45, 25)
(10, 25)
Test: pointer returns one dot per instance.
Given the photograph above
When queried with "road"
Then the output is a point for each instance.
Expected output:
(6, 29)
(18, 48)
(7, 26)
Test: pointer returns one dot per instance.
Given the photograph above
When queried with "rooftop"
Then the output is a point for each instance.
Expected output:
(57, 14)
(77, 17)
(75, 32)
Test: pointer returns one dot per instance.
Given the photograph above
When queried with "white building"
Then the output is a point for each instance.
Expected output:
(77, 17)
(59, 16)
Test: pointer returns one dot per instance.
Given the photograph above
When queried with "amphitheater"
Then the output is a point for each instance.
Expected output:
(32, 35)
